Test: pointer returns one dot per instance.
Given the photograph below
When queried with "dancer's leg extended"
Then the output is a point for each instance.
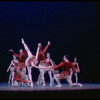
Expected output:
(27, 49)
(76, 76)
(56, 77)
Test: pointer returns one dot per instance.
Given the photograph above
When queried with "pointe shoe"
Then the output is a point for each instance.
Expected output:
(32, 85)
(28, 85)
(58, 85)
(37, 83)
(22, 40)
(50, 84)
(43, 85)
(79, 84)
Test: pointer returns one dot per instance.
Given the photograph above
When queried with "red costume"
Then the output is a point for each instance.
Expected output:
(15, 65)
(75, 66)
(17, 77)
(41, 55)
(65, 68)
(21, 58)
(48, 64)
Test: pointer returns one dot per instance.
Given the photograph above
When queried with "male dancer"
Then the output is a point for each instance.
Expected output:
(13, 65)
(21, 58)
(76, 66)
(42, 61)
(66, 65)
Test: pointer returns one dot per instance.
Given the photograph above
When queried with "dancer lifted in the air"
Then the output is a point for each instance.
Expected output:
(31, 61)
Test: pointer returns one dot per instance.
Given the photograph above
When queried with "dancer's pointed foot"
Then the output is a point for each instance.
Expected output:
(43, 85)
(37, 83)
(22, 40)
(58, 85)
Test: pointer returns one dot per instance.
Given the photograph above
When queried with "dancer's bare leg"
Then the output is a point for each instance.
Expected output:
(50, 75)
(70, 81)
(76, 76)
(29, 75)
(53, 79)
(26, 62)
(9, 79)
(54, 73)
(27, 49)
(39, 80)
(12, 79)
(71, 73)
(56, 77)
(42, 77)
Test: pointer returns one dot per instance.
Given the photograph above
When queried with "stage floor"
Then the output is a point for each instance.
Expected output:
(65, 87)
(88, 90)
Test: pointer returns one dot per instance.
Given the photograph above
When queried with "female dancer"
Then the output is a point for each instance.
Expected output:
(17, 77)
(76, 66)
(42, 61)
(13, 65)
(49, 63)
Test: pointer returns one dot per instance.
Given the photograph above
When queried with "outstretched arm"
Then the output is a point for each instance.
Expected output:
(16, 55)
(44, 50)
(61, 64)
(33, 65)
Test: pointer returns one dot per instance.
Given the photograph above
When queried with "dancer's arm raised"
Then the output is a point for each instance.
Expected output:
(44, 50)
(16, 55)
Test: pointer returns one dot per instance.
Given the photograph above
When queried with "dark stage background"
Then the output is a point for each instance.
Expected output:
(72, 28)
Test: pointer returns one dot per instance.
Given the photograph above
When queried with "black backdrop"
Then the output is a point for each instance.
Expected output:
(72, 28)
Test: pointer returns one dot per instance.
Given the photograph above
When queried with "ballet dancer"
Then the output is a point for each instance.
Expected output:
(66, 65)
(49, 63)
(76, 66)
(13, 65)
(21, 58)
(31, 61)
(42, 61)
(17, 77)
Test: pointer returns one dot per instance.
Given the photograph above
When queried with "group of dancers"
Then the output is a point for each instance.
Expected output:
(26, 60)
